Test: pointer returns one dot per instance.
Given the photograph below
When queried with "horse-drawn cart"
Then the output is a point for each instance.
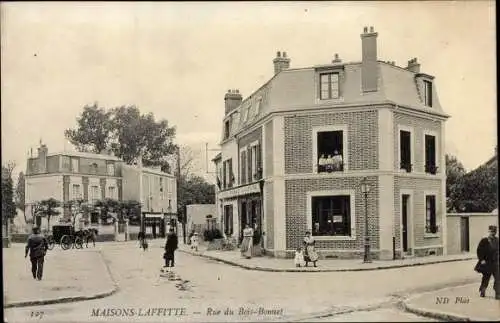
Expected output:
(66, 236)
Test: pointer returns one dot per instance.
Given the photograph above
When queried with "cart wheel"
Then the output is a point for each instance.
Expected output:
(78, 243)
(65, 242)
(51, 242)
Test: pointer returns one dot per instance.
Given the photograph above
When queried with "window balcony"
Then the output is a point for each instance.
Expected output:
(432, 229)
(406, 166)
(258, 174)
(328, 168)
(431, 169)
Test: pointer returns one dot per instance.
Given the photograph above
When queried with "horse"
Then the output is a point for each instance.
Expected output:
(89, 234)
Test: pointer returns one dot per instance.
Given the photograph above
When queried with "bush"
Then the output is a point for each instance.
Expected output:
(210, 235)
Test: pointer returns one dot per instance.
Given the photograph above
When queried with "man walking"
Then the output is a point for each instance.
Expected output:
(37, 246)
(487, 254)
(170, 247)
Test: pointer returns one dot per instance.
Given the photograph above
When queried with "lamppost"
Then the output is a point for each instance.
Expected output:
(365, 188)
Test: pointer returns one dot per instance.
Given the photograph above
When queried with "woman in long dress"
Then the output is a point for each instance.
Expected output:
(310, 254)
(247, 243)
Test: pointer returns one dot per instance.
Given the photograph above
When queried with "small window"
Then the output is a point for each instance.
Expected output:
(430, 215)
(226, 129)
(111, 169)
(111, 192)
(243, 164)
(94, 193)
(430, 154)
(75, 165)
(77, 192)
(257, 106)
(405, 150)
(330, 150)
(428, 93)
(329, 86)
(331, 215)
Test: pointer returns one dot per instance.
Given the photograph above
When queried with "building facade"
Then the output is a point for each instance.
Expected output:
(69, 176)
(295, 152)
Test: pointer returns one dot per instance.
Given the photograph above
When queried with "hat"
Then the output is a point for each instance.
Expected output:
(196, 233)
(492, 228)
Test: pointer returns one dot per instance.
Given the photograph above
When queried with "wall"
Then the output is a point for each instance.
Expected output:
(130, 187)
(196, 214)
(478, 228)
(362, 139)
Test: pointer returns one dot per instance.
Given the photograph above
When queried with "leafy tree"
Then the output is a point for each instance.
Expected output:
(20, 192)
(48, 208)
(77, 207)
(8, 204)
(194, 190)
(93, 133)
(478, 189)
(454, 172)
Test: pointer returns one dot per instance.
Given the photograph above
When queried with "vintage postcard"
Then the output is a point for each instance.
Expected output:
(249, 161)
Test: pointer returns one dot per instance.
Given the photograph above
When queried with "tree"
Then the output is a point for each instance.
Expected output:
(194, 190)
(8, 205)
(93, 133)
(76, 207)
(454, 172)
(48, 208)
(478, 189)
(20, 191)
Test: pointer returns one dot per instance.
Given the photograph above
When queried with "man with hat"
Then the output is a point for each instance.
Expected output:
(37, 246)
(487, 254)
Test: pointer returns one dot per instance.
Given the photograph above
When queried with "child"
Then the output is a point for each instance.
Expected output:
(299, 257)
(194, 241)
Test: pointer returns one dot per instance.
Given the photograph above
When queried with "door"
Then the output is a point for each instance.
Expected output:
(404, 221)
(244, 219)
(464, 234)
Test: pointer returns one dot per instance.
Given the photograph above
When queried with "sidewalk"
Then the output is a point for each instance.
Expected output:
(69, 275)
(326, 265)
(456, 304)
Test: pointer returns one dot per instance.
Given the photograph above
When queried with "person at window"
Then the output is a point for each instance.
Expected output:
(37, 246)
(310, 254)
(337, 161)
(488, 265)
(322, 163)
(329, 163)
(247, 242)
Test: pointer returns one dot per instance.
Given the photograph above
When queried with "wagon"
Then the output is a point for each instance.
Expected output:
(66, 236)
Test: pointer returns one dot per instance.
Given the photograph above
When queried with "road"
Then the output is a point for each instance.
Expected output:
(211, 291)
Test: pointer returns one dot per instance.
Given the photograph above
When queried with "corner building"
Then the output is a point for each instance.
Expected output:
(387, 125)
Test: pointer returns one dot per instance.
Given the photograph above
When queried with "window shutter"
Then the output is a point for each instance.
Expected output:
(250, 175)
(243, 168)
(259, 161)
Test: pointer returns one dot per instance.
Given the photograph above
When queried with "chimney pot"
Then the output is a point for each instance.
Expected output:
(371, 29)
(278, 54)
(284, 54)
(365, 30)
(336, 56)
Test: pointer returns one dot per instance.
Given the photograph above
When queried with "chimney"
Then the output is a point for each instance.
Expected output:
(337, 59)
(232, 100)
(413, 66)
(369, 68)
(42, 158)
(281, 62)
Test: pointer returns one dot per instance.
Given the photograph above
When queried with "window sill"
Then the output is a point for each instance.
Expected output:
(431, 235)
(334, 238)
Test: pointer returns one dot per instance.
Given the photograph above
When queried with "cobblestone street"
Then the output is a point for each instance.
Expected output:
(206, 287)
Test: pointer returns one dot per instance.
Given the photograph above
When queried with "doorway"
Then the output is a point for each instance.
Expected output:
(405, 200)
(464, 234)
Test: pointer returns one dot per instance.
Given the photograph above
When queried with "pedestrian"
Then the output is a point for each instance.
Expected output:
(247, 242)
(299, 257)
(310, 254)
(487, 264)
(170, 247)
(37, 246)
(194, 241)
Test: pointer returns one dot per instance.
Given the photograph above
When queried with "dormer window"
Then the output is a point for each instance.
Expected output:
(226, 129)
(329, 86)
(428, 93)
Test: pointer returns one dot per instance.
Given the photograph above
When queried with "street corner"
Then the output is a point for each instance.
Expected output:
(461, 303)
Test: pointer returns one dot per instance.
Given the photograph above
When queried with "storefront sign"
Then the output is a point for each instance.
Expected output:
(239, 191)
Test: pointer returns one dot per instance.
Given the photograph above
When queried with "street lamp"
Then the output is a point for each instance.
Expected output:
(365, 188)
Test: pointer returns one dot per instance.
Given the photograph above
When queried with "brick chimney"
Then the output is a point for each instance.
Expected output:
(42, 158)
(413, 66)
(232, 100)
(369, 66)
(281, 62)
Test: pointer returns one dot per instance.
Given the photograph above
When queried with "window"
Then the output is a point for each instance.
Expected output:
(430, 154)
(244, 115)
(111, 192)
(428, 93)
(331, 215)
(257, 106)
(226, 129)
(243, 163)
(66, 163)
(93, 168)
(228, 178)
(111, 169)
(228, 220)
(249, 165)
(257, 171)
(76, 192)
(430, 214)
(330, 151)
(405, 150)
(74, 165)
(329, 86)
(94, 193)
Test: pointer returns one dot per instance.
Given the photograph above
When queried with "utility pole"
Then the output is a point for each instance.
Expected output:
(178, 177)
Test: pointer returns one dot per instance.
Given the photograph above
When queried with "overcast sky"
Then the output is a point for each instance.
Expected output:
(177, 60)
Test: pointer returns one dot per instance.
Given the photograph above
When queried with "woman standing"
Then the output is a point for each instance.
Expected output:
(247, 243)
(310, 254)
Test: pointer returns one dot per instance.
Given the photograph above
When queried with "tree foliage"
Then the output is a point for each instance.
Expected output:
(48, 208)
(8, 205)
(20, 193)
(127, 132)
(194, 190)
(454, 172)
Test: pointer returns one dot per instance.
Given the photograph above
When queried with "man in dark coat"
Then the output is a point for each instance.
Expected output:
(170, 247)
(37, 246)
(487, 255)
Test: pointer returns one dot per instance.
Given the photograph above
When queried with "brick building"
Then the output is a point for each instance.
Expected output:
(300, 146)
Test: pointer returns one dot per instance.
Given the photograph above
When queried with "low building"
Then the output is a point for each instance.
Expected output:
(200, 217)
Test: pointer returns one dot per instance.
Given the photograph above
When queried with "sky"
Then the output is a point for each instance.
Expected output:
(178, 59)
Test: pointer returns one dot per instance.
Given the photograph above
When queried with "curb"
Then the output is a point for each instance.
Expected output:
(71, 299)
(258, 268)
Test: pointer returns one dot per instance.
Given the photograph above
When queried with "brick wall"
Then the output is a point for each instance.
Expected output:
(269, 214)
(362, 139)
(268, 153)
(296, 211)
(419, 125)
(418, 185)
